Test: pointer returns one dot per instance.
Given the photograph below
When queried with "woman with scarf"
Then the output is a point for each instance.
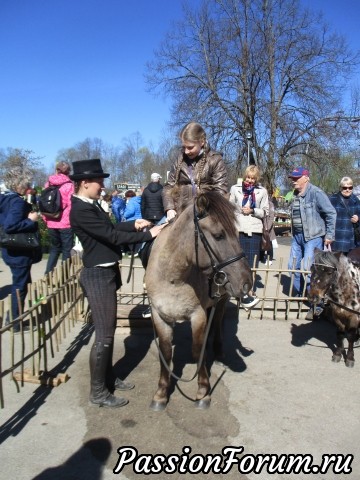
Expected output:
(252, 202)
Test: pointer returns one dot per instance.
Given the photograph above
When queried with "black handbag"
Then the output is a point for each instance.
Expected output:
(266, 243)
(19, 241)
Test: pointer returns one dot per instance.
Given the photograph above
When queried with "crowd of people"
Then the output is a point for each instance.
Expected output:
(108, 226)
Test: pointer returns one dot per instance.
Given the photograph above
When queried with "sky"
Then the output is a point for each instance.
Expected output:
(74, 69)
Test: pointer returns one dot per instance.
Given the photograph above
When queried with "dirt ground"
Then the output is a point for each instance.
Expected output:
(277, 393)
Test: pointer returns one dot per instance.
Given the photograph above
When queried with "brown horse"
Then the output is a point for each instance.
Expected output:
(196, 263)
(335, 278)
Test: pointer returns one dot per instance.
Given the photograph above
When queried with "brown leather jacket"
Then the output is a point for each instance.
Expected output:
(213, 177)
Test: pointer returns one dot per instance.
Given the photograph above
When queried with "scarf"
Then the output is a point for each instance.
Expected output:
(248, 190)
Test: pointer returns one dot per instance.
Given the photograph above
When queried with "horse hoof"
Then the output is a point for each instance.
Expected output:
(157, 406)
(336, 358)
(203, 404)
(350, 363)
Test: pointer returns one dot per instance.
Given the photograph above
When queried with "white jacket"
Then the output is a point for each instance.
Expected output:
(250, 224)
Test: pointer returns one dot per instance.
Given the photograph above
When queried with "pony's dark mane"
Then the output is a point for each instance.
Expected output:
(220, 210)
(327, 259)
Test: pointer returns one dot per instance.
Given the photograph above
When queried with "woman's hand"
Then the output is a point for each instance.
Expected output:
(354, 219)
(157, 229)
(170, 214)
(247, 210)
(34, 216)
(140, 223)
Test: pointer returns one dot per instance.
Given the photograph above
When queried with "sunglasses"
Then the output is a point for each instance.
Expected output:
(347, 188)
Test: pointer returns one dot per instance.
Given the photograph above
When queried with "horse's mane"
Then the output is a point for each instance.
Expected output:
(219, 208)
(327, 259)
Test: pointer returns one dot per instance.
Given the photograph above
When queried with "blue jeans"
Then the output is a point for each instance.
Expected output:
(20, 278)
(302, 250)
(61, 242)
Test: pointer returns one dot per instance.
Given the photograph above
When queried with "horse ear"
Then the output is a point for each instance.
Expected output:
(202, 204)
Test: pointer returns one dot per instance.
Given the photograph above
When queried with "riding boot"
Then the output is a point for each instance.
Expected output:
(99, 394)
(112, 381)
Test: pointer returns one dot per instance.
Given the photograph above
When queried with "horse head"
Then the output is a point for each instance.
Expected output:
(323, 274)
(217, 247)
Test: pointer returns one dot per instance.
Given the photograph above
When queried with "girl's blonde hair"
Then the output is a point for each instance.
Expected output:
(194, 132)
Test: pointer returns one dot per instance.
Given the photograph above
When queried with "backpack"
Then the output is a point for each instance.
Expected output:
(49, 202)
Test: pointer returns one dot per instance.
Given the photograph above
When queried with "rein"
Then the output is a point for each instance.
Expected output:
(326, 300)
(201, 356)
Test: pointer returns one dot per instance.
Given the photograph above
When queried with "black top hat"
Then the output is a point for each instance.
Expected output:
(84, 169)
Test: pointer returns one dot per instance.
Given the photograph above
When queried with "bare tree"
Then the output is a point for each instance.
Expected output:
(264, 68)
(15, 159)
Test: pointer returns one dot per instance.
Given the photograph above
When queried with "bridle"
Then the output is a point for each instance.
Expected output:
(217, 276)
(324, 265)
(326, 297)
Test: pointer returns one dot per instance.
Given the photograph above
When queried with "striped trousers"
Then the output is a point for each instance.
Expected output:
(100, 285)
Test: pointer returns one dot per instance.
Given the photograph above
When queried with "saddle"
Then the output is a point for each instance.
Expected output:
(144, 253)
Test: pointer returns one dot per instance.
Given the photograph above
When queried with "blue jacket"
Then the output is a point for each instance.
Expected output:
(344, 231)
(318, 216)
(13, 217)
(133, 209)
(118, 207)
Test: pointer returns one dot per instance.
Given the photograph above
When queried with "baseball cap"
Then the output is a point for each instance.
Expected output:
(299, 172)
(155, 176)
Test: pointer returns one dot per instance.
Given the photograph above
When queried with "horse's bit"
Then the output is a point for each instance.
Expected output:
(218, 276)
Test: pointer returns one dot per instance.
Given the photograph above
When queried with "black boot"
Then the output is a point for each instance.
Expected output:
(112, 381)
(99, 394)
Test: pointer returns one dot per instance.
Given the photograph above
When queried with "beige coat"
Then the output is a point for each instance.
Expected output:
(250, 224)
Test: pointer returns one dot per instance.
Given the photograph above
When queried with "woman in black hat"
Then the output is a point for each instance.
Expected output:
(100, 277)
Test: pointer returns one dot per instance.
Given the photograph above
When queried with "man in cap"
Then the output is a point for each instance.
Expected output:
(313, 226)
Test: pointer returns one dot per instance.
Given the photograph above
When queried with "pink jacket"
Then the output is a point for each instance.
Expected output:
(66, 192)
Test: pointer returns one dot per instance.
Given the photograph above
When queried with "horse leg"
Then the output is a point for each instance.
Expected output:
(165, 336)
(350, 359)
(203, 398)
(340, 350)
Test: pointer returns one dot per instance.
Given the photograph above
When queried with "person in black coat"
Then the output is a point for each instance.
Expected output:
(16, 216)
(100, 277)
(152, 207)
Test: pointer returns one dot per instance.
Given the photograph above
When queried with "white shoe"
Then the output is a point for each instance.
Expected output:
(147, 313)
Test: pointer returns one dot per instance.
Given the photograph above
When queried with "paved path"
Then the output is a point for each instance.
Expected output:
(279, 393)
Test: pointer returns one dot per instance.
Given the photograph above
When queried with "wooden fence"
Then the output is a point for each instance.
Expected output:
(56, 302)
(274, 284)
